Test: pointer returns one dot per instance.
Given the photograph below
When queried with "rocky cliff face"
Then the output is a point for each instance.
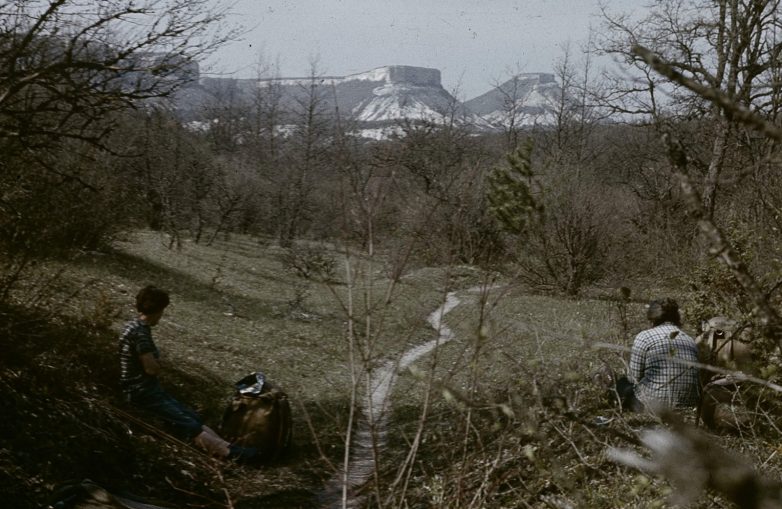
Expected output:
(382, 96)
(398, 92)
(385, 94)
(400, 74)
(525, 99)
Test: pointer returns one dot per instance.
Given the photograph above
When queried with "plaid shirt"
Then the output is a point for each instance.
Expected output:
(655, 369)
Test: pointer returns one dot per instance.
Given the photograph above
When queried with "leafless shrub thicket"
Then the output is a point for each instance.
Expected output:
(705, 88)
(68, 72)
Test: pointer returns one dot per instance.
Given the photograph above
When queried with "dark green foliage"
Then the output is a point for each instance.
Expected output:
(514, 197)
(561, 234)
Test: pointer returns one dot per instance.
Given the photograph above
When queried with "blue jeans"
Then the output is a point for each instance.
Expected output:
(626, 391)
(161, 404)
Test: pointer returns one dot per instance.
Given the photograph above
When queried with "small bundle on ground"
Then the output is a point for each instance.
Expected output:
(258, 415)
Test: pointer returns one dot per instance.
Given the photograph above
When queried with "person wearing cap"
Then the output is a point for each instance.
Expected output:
(663, 363)
(139, 369)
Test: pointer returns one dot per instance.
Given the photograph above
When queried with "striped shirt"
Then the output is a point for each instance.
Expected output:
(656, 370)
(134, 341)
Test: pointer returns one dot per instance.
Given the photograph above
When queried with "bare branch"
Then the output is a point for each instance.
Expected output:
(731, 109)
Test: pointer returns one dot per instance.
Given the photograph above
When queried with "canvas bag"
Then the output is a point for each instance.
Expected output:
(258, 415)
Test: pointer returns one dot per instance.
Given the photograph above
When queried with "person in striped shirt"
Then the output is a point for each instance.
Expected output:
(139, 370)
(663, 358)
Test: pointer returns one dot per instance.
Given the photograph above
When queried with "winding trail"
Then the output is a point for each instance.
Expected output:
(371, 430)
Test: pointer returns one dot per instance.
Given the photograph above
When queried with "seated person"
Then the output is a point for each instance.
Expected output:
(660, 372)
(139, 369)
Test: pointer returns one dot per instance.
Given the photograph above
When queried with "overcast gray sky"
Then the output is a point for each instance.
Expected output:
(472, 42)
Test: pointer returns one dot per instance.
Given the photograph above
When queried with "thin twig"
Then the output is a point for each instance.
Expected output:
(321, 453)
(573, 445)
(732, 110)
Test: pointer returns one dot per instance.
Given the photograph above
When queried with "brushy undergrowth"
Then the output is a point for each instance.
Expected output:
(512, 412)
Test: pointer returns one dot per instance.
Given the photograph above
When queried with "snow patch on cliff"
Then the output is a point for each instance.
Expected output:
(394, 102)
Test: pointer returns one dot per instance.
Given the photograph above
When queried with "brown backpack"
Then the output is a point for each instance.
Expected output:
(258, 415)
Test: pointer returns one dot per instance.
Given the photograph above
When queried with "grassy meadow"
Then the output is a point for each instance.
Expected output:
(500, 416)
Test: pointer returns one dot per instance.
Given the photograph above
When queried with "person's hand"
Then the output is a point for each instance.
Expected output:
(150, 364)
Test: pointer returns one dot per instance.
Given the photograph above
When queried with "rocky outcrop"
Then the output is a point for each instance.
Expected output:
(380, 97)
(385, 94)
(399, 92)
(400, 74)
(529, 98)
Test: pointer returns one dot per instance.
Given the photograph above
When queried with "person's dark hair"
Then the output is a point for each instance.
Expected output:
(663, 310)
(151, 300)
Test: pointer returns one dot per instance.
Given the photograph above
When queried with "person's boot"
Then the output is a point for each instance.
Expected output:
(241, 454)
(212, 443)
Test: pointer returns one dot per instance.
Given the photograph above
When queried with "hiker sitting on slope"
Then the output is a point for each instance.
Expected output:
(139, 369)
(661, 372)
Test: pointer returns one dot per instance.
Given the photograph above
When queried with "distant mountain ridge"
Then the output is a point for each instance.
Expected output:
(526, 98)
(382, 96)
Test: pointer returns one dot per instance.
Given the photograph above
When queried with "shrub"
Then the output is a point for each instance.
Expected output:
(309, 262)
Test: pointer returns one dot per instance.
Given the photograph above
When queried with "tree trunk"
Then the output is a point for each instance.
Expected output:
(711, 180)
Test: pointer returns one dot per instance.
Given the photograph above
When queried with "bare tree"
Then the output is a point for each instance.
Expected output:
(560, 226)
(268, 110)
(69, 69)
(67, 65)
(306, 151)
(225, 113)
(731, 46)
(512, 113)
(576, 119)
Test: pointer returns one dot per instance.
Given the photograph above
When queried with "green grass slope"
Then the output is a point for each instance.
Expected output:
(235, 309)
(502, 415)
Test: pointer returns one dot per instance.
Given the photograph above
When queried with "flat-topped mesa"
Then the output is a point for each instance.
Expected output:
(400, 74)
(541, 77)
(380, 97)
(390, 74)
